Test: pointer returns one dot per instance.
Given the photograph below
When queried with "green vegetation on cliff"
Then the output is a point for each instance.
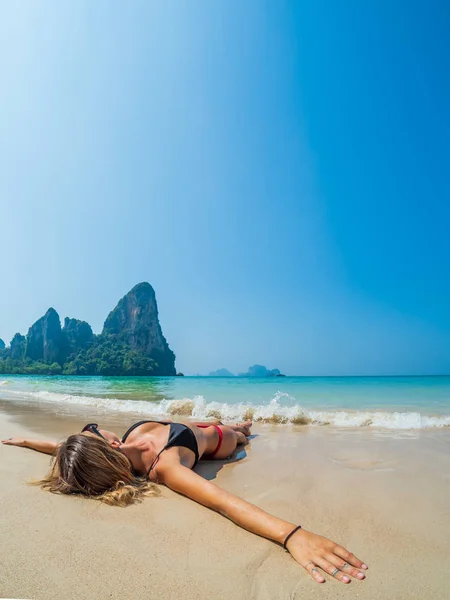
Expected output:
(131, 343)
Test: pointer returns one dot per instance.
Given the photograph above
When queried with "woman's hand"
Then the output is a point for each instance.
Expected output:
(315, 552)
(14, 442)
(39, 445)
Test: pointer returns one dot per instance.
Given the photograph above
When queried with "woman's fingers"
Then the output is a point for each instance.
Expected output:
(345, 567)
(332, 570)
(314, 572)
(13, 442)
(349, 557)
(335, 567)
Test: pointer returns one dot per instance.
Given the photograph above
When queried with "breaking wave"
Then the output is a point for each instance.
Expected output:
(273, 412)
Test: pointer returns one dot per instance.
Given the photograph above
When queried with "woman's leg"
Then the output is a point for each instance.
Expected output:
(244, 428)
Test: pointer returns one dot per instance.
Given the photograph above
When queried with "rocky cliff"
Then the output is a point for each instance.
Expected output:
(2, 344)
(135, 320)
(132, 343)
(77, 335)
(17, 347)
(44, 339)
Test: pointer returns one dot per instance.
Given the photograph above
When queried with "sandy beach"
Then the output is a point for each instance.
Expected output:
(384, 495)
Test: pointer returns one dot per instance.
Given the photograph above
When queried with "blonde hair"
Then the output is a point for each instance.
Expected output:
(88, 465)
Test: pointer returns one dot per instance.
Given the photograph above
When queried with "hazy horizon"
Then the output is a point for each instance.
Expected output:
(277, 172)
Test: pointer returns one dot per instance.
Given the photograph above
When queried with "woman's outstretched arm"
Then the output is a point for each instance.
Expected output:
(311, 551)
(38, 445)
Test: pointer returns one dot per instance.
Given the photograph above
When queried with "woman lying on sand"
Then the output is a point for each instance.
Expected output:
(97, 464)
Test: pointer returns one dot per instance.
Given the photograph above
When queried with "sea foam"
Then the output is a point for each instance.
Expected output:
(273, 412)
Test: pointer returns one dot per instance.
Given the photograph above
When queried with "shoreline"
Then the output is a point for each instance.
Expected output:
(274, 413)
(359, 487)
(386, 403)
(197, 376)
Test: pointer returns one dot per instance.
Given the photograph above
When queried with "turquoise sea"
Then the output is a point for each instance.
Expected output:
(386, 402)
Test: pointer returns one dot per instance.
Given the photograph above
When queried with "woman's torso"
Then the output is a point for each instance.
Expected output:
(167, 444)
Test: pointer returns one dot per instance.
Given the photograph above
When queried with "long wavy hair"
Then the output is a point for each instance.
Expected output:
(88, 465)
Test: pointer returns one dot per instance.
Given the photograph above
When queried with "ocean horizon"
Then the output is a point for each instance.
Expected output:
(389, 402)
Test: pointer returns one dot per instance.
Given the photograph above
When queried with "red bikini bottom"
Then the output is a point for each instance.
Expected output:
(219, 444)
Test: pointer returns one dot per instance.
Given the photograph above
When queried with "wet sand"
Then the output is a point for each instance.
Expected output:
(384, 495)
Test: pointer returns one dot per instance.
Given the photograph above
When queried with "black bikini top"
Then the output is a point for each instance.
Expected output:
(179, 435)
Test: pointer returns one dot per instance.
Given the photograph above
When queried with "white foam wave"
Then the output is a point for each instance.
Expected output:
(273, 412)
(4, 382)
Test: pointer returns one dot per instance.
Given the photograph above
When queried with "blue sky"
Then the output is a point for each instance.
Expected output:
(277, 170)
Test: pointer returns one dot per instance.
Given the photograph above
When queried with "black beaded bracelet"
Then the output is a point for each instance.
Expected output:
(289, 535)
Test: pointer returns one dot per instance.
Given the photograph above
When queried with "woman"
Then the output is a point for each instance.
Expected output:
(97, 464)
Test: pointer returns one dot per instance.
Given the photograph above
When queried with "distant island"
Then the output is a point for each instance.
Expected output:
(254, 371)
(221, 373)
(131, 343)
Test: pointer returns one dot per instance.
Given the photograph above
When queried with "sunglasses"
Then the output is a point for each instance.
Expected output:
(92, 428)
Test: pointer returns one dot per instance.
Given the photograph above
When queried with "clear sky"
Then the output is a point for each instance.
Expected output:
(278, 171)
